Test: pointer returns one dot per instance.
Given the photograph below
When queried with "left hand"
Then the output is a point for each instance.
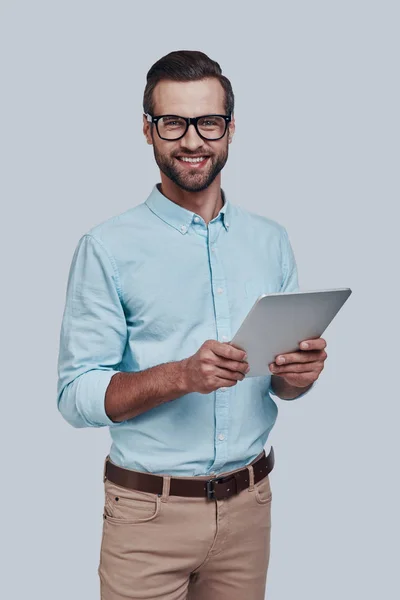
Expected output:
(301, 368)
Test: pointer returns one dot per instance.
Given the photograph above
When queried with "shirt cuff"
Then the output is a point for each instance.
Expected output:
(90, 397)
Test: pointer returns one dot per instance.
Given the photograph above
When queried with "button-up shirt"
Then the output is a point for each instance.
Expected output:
(150, 286)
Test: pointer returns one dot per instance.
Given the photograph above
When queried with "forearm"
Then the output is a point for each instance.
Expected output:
(284, 390)
(131, 394)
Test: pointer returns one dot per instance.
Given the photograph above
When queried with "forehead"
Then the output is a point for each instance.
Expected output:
(189, 98)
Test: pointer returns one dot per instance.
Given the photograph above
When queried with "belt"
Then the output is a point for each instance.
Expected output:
(214, 488)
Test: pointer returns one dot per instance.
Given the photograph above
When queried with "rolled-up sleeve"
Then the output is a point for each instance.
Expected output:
(290, 283)
(93, 335)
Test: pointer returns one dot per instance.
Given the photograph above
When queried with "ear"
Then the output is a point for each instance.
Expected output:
(147, 130)
(231, 129)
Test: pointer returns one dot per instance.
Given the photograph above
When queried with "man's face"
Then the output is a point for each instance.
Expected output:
(189, 99)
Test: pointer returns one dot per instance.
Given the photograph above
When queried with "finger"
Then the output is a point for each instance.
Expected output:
(293, 357)
(313, 344)
(227, 351)
(297, 367)
(231, 365)
(228, 375)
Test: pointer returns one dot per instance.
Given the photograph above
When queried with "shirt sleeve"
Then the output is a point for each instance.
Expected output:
(290, 283)
(93, 335)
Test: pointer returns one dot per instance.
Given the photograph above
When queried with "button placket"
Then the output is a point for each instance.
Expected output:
(223, 327)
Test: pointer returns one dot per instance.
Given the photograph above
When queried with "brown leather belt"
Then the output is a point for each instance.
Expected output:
(213, 488)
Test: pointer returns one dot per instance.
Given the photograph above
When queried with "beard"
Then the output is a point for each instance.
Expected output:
(193, 181)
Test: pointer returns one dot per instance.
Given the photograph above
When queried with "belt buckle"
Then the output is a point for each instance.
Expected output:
(210, 487)
(211, 482)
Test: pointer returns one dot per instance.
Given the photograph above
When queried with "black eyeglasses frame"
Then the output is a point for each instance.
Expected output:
(189, 120)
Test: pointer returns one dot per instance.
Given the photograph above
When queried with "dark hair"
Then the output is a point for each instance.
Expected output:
(185, 65)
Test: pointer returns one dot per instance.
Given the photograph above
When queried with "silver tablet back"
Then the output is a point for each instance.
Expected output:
(277, 324)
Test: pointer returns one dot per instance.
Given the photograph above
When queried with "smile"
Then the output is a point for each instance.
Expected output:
(193, 162)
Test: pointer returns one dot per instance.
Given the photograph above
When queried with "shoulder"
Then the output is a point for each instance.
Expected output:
(112, 231)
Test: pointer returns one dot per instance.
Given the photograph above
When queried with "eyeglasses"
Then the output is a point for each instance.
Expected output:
(173, 127)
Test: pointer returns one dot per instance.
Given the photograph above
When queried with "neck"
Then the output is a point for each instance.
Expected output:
(206, 203)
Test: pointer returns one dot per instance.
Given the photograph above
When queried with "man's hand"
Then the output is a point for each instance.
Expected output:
(301, 368)
(214, 365)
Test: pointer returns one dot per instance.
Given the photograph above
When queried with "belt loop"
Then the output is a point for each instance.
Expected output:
(251, 477)
(104, 467)
(166, 486)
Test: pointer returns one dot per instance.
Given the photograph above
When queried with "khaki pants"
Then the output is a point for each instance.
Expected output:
(181, 548)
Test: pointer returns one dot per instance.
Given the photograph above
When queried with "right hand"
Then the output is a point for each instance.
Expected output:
(214, 365)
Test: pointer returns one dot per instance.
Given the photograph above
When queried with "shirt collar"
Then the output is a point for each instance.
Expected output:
(179, 217)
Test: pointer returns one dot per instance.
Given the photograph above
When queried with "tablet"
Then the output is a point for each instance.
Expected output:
(278, 322)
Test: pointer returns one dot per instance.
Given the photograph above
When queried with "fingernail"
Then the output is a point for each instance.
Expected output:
(280, 359)
(304, 345)
(248, 369)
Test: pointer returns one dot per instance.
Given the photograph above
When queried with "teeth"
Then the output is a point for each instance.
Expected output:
(199, 159)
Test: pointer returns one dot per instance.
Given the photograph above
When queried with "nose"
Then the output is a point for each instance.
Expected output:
(192, 138)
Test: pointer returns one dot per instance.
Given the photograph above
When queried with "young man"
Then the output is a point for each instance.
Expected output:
(153, 297)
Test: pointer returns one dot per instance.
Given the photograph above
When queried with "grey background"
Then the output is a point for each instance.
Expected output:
(317, 149)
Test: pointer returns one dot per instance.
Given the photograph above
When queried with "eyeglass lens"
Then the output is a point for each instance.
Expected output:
(172, 127)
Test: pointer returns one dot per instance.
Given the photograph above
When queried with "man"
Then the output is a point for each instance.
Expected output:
(154, 295)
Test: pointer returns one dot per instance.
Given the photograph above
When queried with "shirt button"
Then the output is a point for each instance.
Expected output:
(220, 290)
(225, 338)
(221, 437)
(227, 224)
(197, 219)
(223, 389)
(212, 249)
(183, 227)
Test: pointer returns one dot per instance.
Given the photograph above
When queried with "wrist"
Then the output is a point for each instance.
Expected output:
(284, 390)
(182, 376)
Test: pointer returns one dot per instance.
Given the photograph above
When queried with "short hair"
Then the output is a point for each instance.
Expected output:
(185, 65)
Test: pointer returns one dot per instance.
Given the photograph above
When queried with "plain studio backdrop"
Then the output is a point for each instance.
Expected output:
(316, 149)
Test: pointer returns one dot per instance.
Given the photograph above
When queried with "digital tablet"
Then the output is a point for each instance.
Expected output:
(278, 322)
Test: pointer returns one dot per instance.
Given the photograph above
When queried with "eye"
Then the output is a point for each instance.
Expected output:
(172, 121)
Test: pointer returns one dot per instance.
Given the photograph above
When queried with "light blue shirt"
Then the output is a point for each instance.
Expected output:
(150, 286)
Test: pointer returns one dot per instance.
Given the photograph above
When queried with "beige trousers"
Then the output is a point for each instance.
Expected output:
(181, 548)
